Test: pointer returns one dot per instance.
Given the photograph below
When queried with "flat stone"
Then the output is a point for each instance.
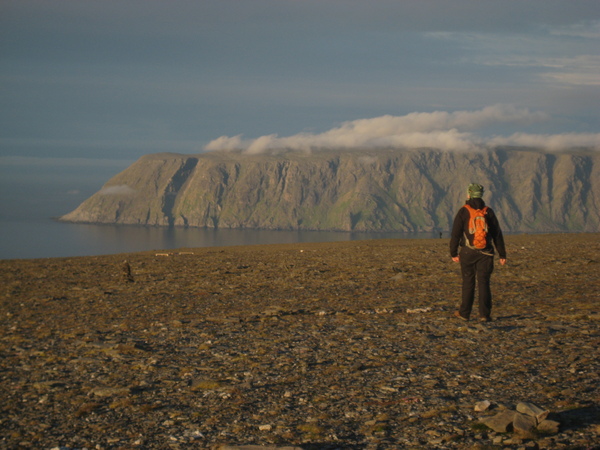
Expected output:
(532, 410)
(501, 422)
(548, 427)
(523, 423)
(482, 406)
(109, 391)
(515, 440)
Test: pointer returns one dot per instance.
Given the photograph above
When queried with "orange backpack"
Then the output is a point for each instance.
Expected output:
(477, 227)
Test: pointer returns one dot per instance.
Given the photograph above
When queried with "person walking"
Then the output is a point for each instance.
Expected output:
(476, 231)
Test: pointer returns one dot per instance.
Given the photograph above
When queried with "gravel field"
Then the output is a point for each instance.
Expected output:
(348, 345)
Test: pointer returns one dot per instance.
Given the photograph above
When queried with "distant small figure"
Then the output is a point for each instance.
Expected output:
(440, 234)
(127, 276)
(475, 228)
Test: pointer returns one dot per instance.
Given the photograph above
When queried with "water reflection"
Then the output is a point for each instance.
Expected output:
(47, 238)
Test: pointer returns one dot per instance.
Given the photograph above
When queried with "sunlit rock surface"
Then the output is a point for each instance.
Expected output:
(374, 190)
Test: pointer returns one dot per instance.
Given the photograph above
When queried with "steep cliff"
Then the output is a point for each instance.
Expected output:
(376, 190)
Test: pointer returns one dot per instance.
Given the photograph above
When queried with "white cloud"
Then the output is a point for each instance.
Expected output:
(552, 142)
(441, 130)
(121, 189)
(579, 70)
(225, 143)
(587, 30)
(564, 55)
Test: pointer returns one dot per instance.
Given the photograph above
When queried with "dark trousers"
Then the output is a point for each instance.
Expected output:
(477, 269)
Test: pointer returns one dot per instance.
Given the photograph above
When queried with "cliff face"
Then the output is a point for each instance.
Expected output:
(378, 190)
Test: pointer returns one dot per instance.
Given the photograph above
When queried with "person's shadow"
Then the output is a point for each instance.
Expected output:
(577, 418)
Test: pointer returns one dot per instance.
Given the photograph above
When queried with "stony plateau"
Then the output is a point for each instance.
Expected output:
(346, 345)
(377, 190)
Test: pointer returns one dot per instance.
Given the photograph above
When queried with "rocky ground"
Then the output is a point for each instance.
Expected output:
(316, 346)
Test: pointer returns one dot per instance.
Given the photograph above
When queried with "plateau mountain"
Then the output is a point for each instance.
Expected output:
(354, 190)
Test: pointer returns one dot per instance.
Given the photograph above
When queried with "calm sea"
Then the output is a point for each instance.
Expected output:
(46, 238)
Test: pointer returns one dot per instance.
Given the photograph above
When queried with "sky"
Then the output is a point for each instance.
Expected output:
(89, 86)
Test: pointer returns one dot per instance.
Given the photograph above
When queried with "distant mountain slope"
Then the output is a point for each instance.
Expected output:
(375, 190)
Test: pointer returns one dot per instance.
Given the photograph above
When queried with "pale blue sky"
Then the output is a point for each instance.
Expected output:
(117, 79)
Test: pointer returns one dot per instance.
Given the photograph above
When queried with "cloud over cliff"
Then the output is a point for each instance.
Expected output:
(441, 130)
(117, 190)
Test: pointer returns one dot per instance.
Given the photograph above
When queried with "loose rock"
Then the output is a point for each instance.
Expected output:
(532, 410)
(482, 406)
(501, 422)
(523, 423)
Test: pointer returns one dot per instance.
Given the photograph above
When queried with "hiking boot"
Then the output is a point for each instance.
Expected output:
(457, 314)
(485, 319)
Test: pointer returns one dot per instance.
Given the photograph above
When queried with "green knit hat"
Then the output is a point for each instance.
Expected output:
(475, 190)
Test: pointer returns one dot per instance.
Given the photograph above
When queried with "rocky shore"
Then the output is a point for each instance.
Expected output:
(348, 345)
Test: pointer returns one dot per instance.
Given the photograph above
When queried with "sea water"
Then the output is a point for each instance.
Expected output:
(48, 238)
